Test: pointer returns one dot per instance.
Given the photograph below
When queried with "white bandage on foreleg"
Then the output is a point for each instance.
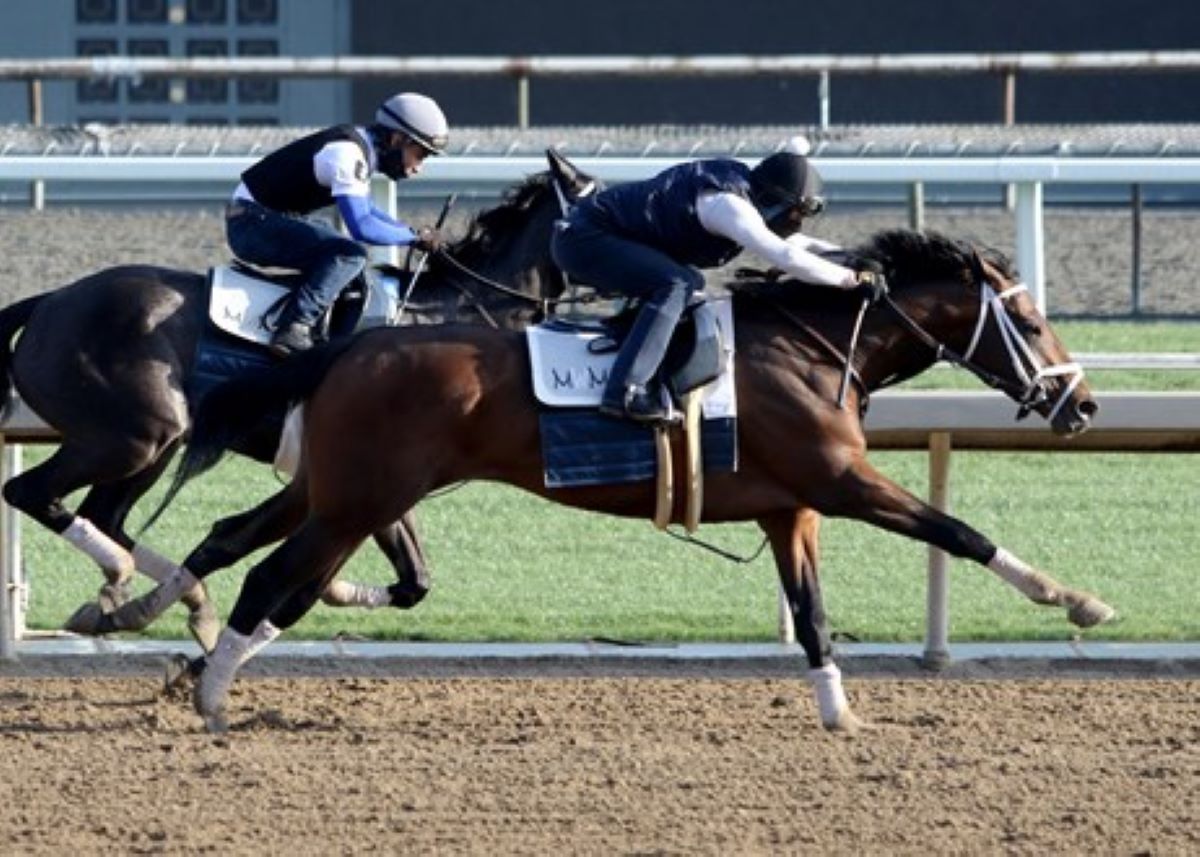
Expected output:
(115, 560)
(831, 699)
(1027, 580)
(343, 593)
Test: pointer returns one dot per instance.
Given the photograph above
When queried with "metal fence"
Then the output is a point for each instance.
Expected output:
(1006, 66)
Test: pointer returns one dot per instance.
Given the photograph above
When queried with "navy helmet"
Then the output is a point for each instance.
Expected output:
(785, 181)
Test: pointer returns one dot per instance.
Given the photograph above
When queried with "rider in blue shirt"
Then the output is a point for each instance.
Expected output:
(267, 222)
(648, 239)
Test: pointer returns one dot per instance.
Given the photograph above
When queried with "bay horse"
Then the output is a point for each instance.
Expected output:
(396, 414)
(107, 360)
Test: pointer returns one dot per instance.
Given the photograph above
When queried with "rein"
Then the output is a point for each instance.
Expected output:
(850, 374)
(1029, 391)
(540, 303)
(544, 304)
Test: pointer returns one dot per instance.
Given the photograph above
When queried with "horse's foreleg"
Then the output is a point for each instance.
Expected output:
(280, 588)
(867, 495)
(793, 538)
(401, 544)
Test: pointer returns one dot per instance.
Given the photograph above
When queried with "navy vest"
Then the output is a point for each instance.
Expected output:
(661, 211)
(285, 179)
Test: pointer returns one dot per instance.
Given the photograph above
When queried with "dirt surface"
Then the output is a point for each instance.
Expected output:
(666, 763)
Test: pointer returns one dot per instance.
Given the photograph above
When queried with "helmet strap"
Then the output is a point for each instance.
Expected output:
(778, 218)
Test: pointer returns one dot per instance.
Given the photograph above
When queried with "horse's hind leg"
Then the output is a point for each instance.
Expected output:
(401, 544)
(793, 538)
(39, 493)
(298, 569)
(230, 540)
(867, 495)
(108, 507)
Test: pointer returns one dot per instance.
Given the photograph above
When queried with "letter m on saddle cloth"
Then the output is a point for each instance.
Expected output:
(582, 447)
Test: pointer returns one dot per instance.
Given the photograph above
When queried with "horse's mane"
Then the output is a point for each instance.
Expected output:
(488, 227)
(907, 257)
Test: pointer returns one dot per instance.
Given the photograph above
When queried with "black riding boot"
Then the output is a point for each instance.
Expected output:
(291, 334)
(629, 393)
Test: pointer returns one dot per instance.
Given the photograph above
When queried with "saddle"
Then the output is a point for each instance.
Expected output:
(245, 300)
(570, 363)
(571, 359)
(242, 304)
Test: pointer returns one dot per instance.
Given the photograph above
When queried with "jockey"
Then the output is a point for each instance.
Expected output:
(266, 221)
(648, 239)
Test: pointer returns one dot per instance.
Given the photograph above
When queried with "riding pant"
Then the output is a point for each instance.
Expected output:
(613, 264)
(328, 260)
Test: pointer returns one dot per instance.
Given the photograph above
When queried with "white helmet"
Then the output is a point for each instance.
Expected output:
(417, 116)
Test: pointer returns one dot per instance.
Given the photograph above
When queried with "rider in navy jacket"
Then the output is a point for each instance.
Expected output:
(267, 223)
(648, 239)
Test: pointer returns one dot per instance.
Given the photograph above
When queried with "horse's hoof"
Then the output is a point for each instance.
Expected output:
(211, 711)
(177, 674)
(216, 723)
(205, 626)
(847, 723)
(88, 619)
(113, 595)
(1088, 610)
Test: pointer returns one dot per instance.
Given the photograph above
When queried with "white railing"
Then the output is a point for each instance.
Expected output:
(1026, 175)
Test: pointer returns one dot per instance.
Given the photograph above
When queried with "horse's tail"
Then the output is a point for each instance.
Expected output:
(231, 411)
(12, 319)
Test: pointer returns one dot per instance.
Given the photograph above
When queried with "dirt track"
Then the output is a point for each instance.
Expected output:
(663, 765)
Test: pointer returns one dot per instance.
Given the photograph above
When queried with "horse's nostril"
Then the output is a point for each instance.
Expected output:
(1088, 408)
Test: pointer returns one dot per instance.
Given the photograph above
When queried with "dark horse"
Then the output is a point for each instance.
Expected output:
(396, 414)
(107, 360)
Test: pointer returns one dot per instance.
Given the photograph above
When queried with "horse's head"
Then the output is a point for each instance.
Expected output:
(979, 315)
(1017, 343)
(510, 244)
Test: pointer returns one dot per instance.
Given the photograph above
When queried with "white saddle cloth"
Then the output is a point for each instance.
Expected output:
(567, 375)
(238, 302)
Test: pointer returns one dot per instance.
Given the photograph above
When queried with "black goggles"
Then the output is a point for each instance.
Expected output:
(811, 206)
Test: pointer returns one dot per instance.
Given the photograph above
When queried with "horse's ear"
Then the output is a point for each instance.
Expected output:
(571, 181)
(978, 272)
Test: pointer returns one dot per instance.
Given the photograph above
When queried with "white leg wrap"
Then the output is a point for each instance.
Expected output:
(176, 585)
(831, 699)
(116, 562)
(263, 635)
(343, 593)
(157, 567)
(1023, 577)
(152, 564)
(220, 667)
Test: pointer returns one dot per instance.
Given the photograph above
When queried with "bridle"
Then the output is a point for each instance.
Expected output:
(545, 306)
(1030, 389)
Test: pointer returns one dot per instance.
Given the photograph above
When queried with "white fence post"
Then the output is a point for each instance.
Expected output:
(787, 625)
(1031, 245)
(383, 197)
(937, 607)
(8, 539)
